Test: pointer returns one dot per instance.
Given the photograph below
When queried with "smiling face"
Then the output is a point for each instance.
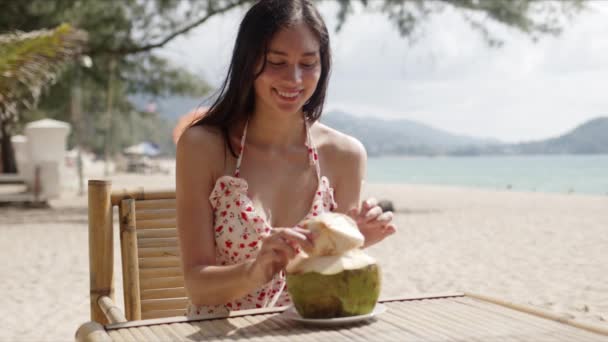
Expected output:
(291, 73)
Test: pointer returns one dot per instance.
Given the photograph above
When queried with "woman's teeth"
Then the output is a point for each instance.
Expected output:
(288, 95)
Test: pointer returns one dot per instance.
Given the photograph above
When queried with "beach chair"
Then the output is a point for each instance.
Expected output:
(152, 277)
(155, 297)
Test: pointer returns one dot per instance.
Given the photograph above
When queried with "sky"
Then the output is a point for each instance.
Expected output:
(448, 78)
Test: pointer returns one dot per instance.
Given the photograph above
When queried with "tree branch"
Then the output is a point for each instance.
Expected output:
(171, 36)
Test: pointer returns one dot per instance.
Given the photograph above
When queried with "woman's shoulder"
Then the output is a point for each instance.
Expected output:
(338, 146)
(199, 137)
(201, 145)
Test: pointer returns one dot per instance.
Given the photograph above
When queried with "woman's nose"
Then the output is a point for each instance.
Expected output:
(293, 73)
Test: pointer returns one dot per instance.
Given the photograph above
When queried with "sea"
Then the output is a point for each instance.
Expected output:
(580, 174)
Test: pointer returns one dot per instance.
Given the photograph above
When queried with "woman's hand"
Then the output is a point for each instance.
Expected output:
(374, 224)
(282, 245)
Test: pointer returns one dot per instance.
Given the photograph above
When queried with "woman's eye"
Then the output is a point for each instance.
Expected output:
(309, 65)
(304, 65)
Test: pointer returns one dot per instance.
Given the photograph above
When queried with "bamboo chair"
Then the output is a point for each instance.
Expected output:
(152, 277)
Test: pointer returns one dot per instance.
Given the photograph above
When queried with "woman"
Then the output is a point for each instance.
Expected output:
(259, 163)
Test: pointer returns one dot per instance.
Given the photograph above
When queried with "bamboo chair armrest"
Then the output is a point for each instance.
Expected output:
(91, 332)
(111, 310)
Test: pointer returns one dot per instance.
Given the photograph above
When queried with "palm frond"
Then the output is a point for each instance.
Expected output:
(31, 61)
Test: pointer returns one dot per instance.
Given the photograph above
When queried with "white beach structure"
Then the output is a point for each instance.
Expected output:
(19, 143)
(47, 139)
(40, 156)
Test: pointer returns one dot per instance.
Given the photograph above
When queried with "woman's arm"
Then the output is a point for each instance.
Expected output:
(348, 161)
(350, 166)
(199, 161)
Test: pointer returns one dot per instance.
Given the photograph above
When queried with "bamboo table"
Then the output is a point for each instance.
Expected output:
(450, 317)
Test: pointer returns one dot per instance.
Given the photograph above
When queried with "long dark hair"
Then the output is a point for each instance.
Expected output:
(236, 96)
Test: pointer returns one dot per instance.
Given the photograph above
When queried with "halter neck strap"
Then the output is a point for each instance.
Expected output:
(313, 156)
(241, 149)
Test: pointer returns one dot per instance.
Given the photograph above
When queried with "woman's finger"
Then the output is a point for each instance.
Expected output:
(296, 237)
(385, 217)
(279, 245)
(370, 203)
(372, 214)
(291, 233)
(372, 226)
(308, 234)
(354, 212)
(310, 238)
(274, 260)
(373, 236)
(280, 260)
(390, 229)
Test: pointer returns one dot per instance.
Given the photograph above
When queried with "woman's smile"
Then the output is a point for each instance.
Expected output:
(287, 96)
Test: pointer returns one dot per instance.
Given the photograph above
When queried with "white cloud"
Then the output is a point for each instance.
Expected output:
(449, 79)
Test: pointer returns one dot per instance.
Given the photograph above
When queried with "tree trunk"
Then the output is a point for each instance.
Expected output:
(8, 163)
(109, 107)
(76, 109)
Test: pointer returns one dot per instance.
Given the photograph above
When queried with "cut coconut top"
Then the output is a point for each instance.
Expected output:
(336, 234)
(333, 264)
(336, 248)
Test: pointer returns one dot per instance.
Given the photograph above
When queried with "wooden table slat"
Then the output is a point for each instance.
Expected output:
(148, 333)
(187, 330)
(477, 323)
(527, 326)
(459, 325)
(398, 327)
(175, 335)
(261, 331)
(126, 335)
(160, 332)
(484, 325)
(137, 334)
(436, 318)
(116, 336)
(421, 323)
(504, 324)
(499, 314)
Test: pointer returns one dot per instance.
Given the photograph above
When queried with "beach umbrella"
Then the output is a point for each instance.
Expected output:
(145, 148)
(186, 120)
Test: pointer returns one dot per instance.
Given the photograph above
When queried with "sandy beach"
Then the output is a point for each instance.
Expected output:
(545, 250)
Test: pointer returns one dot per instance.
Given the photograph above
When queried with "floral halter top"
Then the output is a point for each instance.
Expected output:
(239, 231)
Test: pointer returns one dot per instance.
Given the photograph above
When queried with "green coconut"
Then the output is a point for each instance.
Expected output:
(336, 278)
(347, 293)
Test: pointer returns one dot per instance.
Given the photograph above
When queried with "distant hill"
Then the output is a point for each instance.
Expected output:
(406, 137)
(400, 136)
(589, 138)
(413, 138)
